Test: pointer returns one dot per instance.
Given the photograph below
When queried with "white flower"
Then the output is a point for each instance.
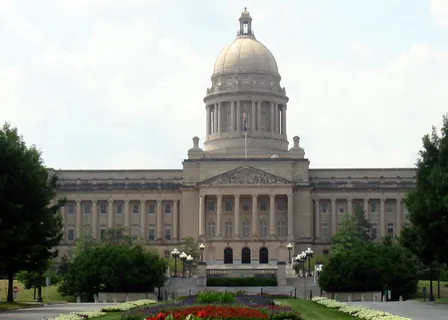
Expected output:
(360, 312)
(125, 306)
(79, 315)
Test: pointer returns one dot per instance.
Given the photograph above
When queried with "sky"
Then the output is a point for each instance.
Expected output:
(119, 84)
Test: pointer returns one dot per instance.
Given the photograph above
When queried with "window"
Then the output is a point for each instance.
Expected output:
(167, 208)
(103, 229)
(135, 208)
(390, 229)
(246, 205)
(228, 229)
(263, 120)
(246, 229)
(86, 208)
(281, 205)
(135, 232)
(373, 232)
(70, 208)
(280, 229)
(103, 208)
(167, 235)
(341, 209)
(373, 206)
(228, 205)
(151, 208)
(263, 205)
(229, 120)
(211, 229)
(389, 208)
(71, 234)
(323, 207)
(119, 208)
(263, 229)
(211, 206)
(325, 231)
(151, 233)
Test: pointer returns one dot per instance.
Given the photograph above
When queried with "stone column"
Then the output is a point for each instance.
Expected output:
(399, 217)
(159, 219)
(78, 219)
(281, 274)
(366, 207)
(175, 220)
(143, 216)
(208, 112)
(232, 116)
(259, 126)
(236, 223)
(254, 215)
(110, 218)
(382, 217)
(333, 217)
(218, 215)
(215, 118)
(127, 215)
(272, 117)
(238, 116)
(290, 216)
(254, 116)
(317, 210)
(201, 216)
(94, 219)
(276, 118)
(350, 206)
(272, 215)
(284, 119)
(219, 117)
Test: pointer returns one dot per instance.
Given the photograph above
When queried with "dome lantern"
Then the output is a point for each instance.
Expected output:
(245, 24)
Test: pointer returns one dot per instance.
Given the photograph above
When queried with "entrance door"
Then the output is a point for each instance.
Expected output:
(264, 255)
(228, 256)
(245, 255)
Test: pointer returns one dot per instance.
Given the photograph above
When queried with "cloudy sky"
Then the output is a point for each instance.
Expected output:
(119, 83)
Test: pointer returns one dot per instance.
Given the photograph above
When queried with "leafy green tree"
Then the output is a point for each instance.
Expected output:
(190, 246)
(116, 235)
(30, 225)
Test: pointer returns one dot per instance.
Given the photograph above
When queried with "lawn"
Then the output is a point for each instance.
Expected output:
(17, 305)
(28, 295)
(110, 316)
(312, 311)
(443, 290)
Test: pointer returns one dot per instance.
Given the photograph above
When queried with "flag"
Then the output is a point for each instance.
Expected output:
(244, 121)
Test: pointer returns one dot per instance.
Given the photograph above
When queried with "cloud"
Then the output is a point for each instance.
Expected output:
(361, 50)
(439, 10)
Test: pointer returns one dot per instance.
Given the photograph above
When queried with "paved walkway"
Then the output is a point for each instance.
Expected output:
(410, 309)
(50, 311)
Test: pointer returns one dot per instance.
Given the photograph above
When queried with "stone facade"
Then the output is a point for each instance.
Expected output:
(246, 195)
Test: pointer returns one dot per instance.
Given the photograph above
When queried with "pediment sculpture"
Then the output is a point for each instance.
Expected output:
(245, 176)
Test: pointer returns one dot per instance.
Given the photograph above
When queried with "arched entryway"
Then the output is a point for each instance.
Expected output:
(245, 255)
(264, 255)
(228, 256)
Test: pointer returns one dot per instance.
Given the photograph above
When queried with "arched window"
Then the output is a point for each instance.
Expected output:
(211, 229)
(228, 256)
(263, 255)
(245, 255)
(246, 229)
(228, 226)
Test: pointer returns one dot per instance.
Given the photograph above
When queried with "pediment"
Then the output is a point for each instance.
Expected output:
(245, 176)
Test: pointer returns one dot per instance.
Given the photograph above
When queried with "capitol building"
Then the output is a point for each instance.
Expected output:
(247, 193)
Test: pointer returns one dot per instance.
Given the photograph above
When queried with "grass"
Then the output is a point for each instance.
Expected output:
(443, 291)
(28, 295)
(110, 316)
(313, 311)
(17, 305)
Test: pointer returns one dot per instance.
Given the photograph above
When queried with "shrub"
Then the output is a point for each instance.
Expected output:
(215, 297)
(242, 282)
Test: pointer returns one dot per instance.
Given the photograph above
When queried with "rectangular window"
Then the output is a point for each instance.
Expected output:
(211, 229)
(281, 204)
(373, 206)
(263, 120)
(228, 228)
(341, 209)
(246, 205)
(211, 206)
(325, 230)
(70, 208)
(167, 233)
(87, 208)
(390, 209)
(71, 234)
(103, 208)
(323, 207)
(167, 208)
(229, 120)
(246, 229)
(390, 229)
(151, 233)
(263, 205)
(135, 208)
(263, 229)
(280, 229)
(228, 205)
(135, 232)
(373, 232)
(151, 208)
(119, 208)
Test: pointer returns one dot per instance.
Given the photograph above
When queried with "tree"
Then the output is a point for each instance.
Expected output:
(190, 246)
(116, 235)
(427, 203)
(30, 224)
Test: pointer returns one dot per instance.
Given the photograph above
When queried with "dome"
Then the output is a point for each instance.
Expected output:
(246, 54)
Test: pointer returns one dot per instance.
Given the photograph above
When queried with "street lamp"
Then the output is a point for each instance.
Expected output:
(202, 247)
(190, 262)
(301, 258)
(183, 258)
(289, 247)
(175, 254)
(309, 254)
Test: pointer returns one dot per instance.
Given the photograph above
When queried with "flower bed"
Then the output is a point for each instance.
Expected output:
(244, 307)
(360, 312)
(129, 305)
(78, 316)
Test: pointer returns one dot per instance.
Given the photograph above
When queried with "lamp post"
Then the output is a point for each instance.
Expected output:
(309, 254)
(183, 258)
(301, 258)
(175, 254)
(289, 247)
(190, 262)
(202, 247)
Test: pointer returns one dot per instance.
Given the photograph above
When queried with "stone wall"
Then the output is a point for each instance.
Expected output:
(123, 297)
(355, 296)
